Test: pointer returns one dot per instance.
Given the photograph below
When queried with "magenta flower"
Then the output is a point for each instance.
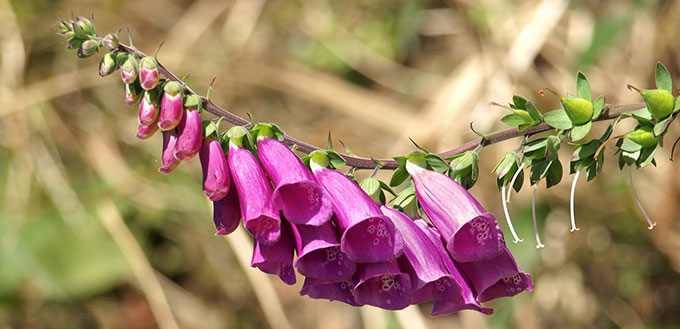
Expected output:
(368, 235)
(276, 258)
(319, 254)
(168, 160)
(172, 108)
(471, 233)
(227, 213)
(189, 135)
(382, 285)
(497, 277)
(216, 178)
(148, 73)
(129, 69)
(254, 190)
(296, 194)
(332, 290)
(132, 93)
(144, 132)
(444, 304)
(148, 109)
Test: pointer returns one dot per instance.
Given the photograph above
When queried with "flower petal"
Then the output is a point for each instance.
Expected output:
(382, 285)
(168, 161)
(497, 277)
(276, 258)
(227, 213)
(319, 254)
(189, 135)
(216, 178)
(331, 290)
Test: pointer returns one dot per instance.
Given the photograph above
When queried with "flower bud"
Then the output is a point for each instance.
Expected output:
(171, 106)
(216, 177)
(148, 108)
(189, 135)
(168, 161)
(87, 48)
(63, 26)
(148, 73)
(128, 69)
(132, 93)
(146, 131)
(82, 27)
(107, 65)
(110, 42)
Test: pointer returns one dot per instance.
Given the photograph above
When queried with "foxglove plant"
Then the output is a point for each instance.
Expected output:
(276, 258)
(168, 160)
(216, 177)
(189, 135)
(319, 255)
(171, 106)
(341, 291)
(382, 285)
(227, 213)
(497, 277)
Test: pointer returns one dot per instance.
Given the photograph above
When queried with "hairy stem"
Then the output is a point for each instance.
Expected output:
(609, 112)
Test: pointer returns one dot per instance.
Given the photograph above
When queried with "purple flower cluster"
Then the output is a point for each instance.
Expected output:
(320, 222)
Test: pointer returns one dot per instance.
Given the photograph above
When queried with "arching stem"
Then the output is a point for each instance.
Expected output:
(539, 244)
(512, 181)
(637, 200)
(571, 203)
(507, 217)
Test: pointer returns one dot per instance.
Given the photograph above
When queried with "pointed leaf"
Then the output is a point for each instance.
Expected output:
(558, 119)
(336, 161)
(554, 175)
(519, 102)
(663, 78)
(534, 112)
(399, 176)
(646, 156)
(514, 120)
(661, 126)
(551, 148)
(582, 87)
(436, 163)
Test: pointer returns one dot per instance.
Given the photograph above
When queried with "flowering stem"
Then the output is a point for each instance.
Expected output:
(571, 202)
(539, 244)
(512, 181)
(507, 217)
(609, 112)
(637, 200)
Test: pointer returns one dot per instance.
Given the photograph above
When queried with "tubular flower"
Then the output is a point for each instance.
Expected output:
(190, 135)
(383, 285)
(319, 254)
(168, 160)
(367, 234)
(226, 213)
(148, 73)
(254, 190)
(471, 233)
(216, 178)
(276, 258)
(144, 132)
(430, 279)
(296, 194)
(148, 109)
(129, 69)
(172, 108)
(331, 290)
(450, 305)
(497, 277)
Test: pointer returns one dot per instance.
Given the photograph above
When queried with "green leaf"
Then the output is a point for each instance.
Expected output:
(646, 156)
(514, 120)
(582, 86)
(400, 159)
(642, 115)
(534, 112)
(519, 102)
(661, 126)
(436, 163)
(386, 187)
(399, 176)
(519, 181)
(538, 170)
(552, 147)
(578, 132)
(628, 145)
(558, 119)
(598, 103)
(663, 78)
(554, 174)
(336, 161)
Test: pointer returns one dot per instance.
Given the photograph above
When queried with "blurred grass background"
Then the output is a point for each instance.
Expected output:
(92, 236)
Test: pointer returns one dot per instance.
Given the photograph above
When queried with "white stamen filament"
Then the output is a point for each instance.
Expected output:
(507, 217)
(512, 181)
(644, 213)
(539, 244)
(571, 202)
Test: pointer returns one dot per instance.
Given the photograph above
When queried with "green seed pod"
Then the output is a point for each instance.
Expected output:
(579, 110)
(660, 102)
(643, 136)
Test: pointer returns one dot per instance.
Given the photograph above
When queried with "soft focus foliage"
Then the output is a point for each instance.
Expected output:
(374, 72)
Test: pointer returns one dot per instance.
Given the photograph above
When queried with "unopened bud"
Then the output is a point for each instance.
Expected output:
(110, 42)
(172, 109)
(87, 48)
(128, 70)
(146, 131)
(168, 161)
(148, 73)
(107, 65)
(190, 135)
(132, 93)
(148, 108)
(82, 27)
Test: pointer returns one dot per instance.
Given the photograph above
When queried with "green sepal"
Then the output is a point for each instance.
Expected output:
(554, 175)
(239, 136)
(534, 112)
(400, 159)
(465, 168)
(399, 176)
(627, 145)
(578, 132)
(646, 157)
(598, 104)
(663, 78)
(661, 126)
(436, 163)
(211, 128)
(558, 119)
(582, 86)
(372, 187)
(551, 170)
(335, 159)
(192, 101)
(407, 202)
(552, 147)
(270, 130)
(676, 108)
(507, 168)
